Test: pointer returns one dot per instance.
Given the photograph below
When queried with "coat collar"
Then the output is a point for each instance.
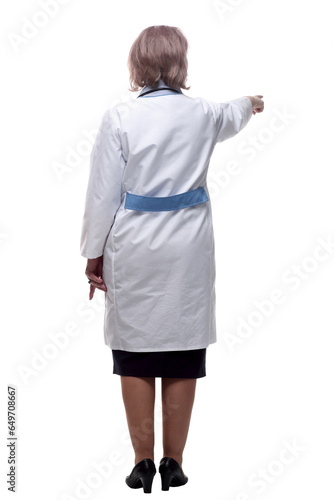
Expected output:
(148, 89)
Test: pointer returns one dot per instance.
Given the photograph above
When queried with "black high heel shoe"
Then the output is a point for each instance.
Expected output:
(142, 475)
(171, 473)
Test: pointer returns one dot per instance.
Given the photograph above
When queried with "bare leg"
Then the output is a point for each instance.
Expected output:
(178, 396)
(139, 396)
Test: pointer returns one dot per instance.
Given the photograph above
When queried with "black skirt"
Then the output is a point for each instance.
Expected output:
(174, 364)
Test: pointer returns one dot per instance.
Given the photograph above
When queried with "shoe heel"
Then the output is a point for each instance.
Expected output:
(147, 481)
(166, 479)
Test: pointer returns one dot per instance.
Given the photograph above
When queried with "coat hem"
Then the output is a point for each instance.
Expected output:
(158, 349)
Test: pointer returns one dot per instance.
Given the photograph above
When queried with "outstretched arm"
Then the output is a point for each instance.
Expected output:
(232, 116)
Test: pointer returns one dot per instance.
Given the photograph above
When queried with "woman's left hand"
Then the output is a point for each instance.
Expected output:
(94, 272)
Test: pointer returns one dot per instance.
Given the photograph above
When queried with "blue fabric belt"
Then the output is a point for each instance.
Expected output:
(162, 203)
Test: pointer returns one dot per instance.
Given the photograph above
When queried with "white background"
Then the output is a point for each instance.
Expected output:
(270, 387)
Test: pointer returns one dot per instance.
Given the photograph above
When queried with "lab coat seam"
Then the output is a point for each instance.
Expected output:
(113, 226)
(214, 117)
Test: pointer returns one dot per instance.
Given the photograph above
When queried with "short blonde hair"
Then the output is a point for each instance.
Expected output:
(158, 52)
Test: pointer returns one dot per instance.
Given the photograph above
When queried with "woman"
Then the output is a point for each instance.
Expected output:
(148, 236)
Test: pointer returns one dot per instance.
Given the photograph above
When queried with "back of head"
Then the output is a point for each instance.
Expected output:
(159, 52)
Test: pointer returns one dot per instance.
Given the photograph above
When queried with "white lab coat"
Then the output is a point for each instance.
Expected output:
(158, 266)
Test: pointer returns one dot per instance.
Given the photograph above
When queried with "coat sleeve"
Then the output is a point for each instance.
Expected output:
(231, 117)
(103, 195)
